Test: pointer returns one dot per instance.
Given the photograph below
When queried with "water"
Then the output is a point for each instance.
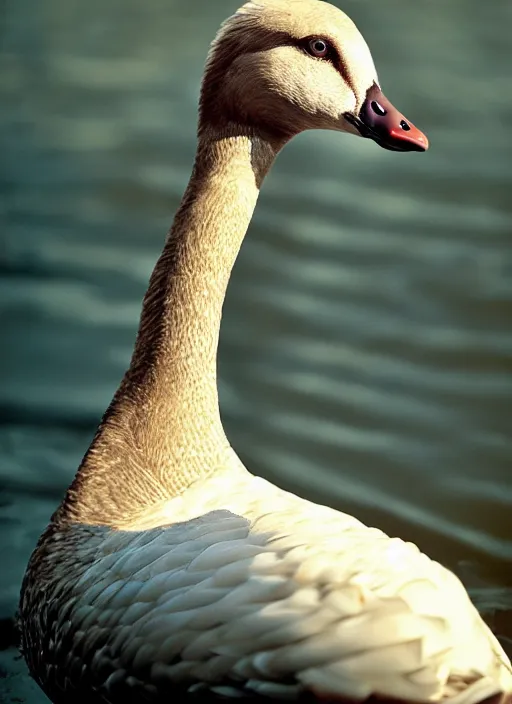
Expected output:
(366, 348)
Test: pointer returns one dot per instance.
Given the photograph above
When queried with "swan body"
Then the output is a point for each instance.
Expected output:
(253, 590)
(169, 571)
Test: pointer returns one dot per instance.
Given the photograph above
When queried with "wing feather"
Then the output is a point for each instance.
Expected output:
(267, 594)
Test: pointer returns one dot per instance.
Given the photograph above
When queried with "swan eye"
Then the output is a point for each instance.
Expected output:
(318, 48)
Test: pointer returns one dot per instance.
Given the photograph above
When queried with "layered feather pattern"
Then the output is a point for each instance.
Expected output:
(252, 590)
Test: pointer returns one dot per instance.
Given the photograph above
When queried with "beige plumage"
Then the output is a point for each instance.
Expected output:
(169, 570)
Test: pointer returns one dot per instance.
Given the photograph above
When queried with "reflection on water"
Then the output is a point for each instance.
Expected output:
(366, 351)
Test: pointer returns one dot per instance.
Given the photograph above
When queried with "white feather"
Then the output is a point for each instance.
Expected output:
(253, 587)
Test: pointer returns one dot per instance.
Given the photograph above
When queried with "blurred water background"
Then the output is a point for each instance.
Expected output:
(366, 350)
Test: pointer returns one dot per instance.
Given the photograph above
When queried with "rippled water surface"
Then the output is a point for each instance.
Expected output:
(366, 351)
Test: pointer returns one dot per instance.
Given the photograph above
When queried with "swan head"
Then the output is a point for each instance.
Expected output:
(285, 66)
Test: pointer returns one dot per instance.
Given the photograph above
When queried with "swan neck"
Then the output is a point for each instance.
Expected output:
(163, 429)
(179, 329)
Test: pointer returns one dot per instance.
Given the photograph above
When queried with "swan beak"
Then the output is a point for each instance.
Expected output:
(379, 120)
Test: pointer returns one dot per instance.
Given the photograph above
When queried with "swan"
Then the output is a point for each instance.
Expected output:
(170, 571)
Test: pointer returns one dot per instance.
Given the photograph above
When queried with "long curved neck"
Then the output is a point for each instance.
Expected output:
(163, 428)
(176, 345)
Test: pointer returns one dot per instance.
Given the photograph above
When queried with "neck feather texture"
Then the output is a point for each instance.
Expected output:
(163, 430)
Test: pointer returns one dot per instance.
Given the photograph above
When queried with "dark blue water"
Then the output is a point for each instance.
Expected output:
(366, 351)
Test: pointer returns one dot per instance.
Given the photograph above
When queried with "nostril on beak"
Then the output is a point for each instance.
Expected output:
(377, 108)
(405, 125)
